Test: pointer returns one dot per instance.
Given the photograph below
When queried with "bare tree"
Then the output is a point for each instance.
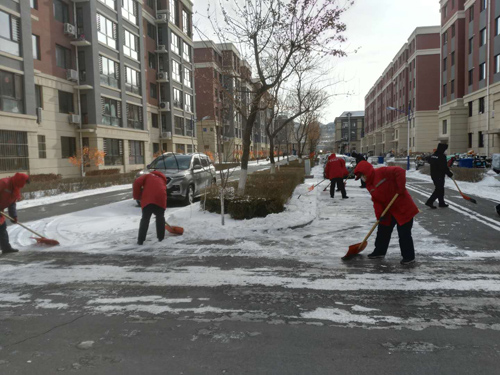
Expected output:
(278, 35)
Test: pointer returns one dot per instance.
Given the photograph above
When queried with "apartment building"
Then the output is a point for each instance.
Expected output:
(352, 122)
(470, 75)
(224, 89)
(410, 86)
(116, 76)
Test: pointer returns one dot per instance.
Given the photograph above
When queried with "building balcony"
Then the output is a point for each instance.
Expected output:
(83, 87)
(81, 42)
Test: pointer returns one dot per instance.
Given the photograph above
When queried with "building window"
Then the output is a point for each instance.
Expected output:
(106, 31)
(175, 44)
(177, 98)
(42, 147)
(154, 120)
(110, 72)
(445, 126)
(453, 59)
(111, 112)
(151, 31)
(153, 91)
(471, 77)
(109, 3)
(186, 24)
(152, 61)
(452, 86)
(181, 149)
(445, 11)
(481, 105)
(129, 11)
(470, 140)
(187, 77)
(34, 4)
(38, 96)
(13, 151)
(444, 91)
(134, 117)
(113, 149)
(452, 31)
(35, 40)
(151, 4)
(61, 11)
(136, 152)
(10, 34)
(497, 64)
(482, 71)
(176, 71)
(66, 102)
(186, 51)
(482, 37)
(471, 45)
(11, 92)
(131, 45)
(470, 110)
(63, 57)
(188, 105)
(445, 37)
(156, 148)
(497, 26)
(482, 5)
(68, 147)
(471, 14)
(480, 139)
(445, 60)
(174, 11)
(179, 125)
(132, 81)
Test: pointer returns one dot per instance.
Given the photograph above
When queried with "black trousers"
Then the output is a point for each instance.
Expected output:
(147, 211)
(384, 233)
(363, 184)
(4, 238)
(438, 191)
(340, 185)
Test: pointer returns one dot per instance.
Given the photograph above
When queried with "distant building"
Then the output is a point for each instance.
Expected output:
(327, 140)
(349, 129)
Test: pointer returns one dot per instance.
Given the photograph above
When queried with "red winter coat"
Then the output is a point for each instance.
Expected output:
(10, 193)
(151, 189)
(383, 183)
(335, 167)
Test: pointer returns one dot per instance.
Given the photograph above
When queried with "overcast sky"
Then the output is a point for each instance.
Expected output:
(378, 29)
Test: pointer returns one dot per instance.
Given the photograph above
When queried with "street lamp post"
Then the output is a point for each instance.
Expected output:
(408, 141)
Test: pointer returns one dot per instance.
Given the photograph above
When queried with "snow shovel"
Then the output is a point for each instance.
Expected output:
(174, 230)
(327, 186)
(467, 198)
(311, 188)
(40, 239)
(359, 247)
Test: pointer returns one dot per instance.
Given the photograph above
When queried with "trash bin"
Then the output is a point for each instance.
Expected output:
(381, 160)
(466, 163)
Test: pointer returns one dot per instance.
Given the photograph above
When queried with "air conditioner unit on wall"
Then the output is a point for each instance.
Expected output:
(162, 76)
(69, 29)
(162, 48)
(161, 18)
(74, 119)
(166, 135)
(72, 75)
(165, 106)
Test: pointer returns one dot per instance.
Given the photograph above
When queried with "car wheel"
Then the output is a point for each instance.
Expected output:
(189, 198)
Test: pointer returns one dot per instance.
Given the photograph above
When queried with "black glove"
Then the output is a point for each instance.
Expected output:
(14, 220)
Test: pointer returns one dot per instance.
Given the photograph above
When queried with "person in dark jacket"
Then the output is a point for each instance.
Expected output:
(335, 171)
(151, 190)
(10, 193)
(383, 184)
(439, 169)
(359, 158)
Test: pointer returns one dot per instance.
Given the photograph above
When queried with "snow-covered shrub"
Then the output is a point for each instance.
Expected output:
(461, 174)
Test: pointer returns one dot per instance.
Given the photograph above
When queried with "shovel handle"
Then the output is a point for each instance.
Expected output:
(378, 221)
(24, 226)
(460, 191)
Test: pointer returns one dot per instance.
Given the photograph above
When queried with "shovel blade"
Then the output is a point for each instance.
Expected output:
(46, 241)
(174, 230)
(355, 249)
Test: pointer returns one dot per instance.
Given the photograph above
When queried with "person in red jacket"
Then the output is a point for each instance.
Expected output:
(335, 171)
(383, 184)
(10, 193)
(151, 190)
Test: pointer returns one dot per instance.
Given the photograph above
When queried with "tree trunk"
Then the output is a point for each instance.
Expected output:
(271, 156)
(247, 140)
(222, 205)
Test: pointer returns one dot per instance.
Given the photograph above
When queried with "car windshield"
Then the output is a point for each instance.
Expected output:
(171, 162)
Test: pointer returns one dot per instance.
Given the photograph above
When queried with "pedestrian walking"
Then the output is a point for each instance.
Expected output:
(383, 184)
(151, 190)
(359, 158)
(336, 171)
(10, 193)
(439, 170)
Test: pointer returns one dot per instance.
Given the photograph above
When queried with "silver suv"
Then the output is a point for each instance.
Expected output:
(187, 174)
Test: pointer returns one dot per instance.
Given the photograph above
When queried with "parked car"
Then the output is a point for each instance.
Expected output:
(187, 174)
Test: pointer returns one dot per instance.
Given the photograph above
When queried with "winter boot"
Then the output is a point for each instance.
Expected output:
(375, 256)
(406, 262)
(10, 250)
(443, 205)
(430, 204)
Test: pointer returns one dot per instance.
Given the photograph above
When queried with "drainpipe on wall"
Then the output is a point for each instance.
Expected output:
(488, 59)
(78, 98)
